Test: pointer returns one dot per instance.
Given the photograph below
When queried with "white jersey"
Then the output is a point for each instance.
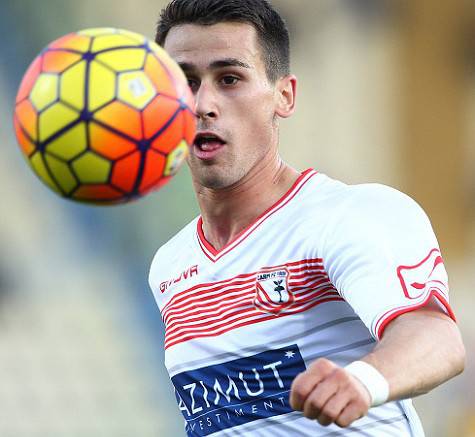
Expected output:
(319, 274)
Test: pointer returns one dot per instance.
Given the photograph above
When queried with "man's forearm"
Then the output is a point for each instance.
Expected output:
(419, 350)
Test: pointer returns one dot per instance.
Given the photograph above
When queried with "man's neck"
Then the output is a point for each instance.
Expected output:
(228, 212)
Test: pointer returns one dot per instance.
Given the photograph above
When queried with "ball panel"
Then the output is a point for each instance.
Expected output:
(70, 144)
(72, 85)
(176, 158)
(27, 147)
(122, 117)
(105, 42)
(160, 183)
(59, 61)
(72, 41)
(159, 77)
(29, 79)
(97, 193)
(45, 91)
(136, 89)
(102, 85)
(153, 171)
(61, 173)
(125, 171)
(108, 144)
(188, 100)
(27, 117)
(170, 137)
(123, 59)
(54, 119)
(91, 168)
(190, 126)
(158, 113)
(38, 165)
(180, 83)
(133, 35)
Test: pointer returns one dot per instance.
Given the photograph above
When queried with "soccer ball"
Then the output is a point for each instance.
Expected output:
(104, 116)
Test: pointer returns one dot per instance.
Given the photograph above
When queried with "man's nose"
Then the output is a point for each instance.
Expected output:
(205, 102)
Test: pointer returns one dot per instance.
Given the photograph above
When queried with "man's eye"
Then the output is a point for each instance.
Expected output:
(229, 80)
(193, 84)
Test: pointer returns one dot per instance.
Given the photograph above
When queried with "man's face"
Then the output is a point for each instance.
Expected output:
(235, 102)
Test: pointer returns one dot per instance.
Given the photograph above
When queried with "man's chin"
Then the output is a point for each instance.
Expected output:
(213, 178)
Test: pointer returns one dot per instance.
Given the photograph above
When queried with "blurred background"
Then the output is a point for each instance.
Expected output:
(386, 94)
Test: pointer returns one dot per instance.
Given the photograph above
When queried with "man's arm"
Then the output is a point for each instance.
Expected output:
(418, 351)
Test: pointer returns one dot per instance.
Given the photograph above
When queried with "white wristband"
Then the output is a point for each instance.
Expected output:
(375, 383)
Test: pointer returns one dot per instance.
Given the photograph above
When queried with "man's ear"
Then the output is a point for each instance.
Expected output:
(286, 88)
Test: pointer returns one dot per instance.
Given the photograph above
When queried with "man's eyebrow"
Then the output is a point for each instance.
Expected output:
(221, 63)
(185, 66)
(228, 62)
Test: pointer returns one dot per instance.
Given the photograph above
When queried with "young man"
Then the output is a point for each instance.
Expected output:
(294, 305)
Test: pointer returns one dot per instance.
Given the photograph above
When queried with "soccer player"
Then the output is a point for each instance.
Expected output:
(295, 305)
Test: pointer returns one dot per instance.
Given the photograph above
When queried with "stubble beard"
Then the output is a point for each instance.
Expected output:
(218, 178)
(214, 175)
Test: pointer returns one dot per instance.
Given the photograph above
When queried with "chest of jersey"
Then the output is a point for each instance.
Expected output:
(272, 274)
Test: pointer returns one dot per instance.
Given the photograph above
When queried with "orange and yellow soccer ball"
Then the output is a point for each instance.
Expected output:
(104, 116)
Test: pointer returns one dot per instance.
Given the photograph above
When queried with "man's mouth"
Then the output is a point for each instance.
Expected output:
(207, 144)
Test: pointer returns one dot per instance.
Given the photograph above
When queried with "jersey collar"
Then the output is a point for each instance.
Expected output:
(214, 255)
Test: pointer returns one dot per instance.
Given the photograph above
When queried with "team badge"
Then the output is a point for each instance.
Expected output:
(272, 290)
(428, 275)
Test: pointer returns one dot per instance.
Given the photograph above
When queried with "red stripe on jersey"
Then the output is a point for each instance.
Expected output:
(303, 273)
(208, 325)
(255, 316)
(215, 308)
(210, 316)
(248, 322)
(225, 315)
(242, 279)
(214, 255)
(220, 291)
(237, 280)
(305, 262)
(216, 296)
(309, 303)
(299, 284)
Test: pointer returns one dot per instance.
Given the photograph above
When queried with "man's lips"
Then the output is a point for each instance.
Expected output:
(207, 150)
(207, 145)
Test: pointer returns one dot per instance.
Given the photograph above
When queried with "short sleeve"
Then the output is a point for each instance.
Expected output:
(382, 256)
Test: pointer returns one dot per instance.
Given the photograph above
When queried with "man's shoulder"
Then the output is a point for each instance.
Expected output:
(359, 197)
(358, 206)
(370, 209)
(370, 197)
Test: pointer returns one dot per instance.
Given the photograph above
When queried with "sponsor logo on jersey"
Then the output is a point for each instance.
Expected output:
(426, 276)
(272, 290)
(237, 392)
(188, 273)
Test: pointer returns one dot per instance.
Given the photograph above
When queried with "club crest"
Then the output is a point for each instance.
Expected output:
(272, 290)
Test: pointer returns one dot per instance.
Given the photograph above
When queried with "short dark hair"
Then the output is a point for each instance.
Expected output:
(272, 31)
